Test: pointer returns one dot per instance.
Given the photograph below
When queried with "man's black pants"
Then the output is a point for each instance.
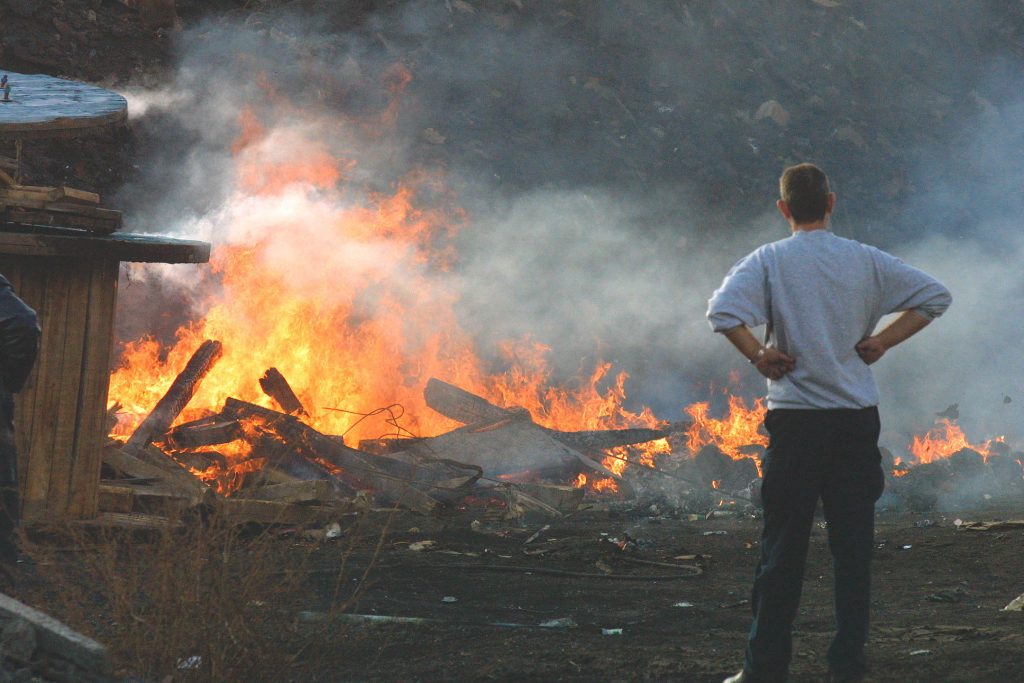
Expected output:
(831, 454)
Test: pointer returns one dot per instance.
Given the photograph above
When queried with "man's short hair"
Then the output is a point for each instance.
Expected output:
(804, 188)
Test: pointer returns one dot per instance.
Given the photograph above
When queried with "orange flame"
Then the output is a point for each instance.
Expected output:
(945, 439)
(741, 427)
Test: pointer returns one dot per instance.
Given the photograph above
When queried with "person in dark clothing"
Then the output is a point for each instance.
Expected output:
(821, 297)
(19, 345)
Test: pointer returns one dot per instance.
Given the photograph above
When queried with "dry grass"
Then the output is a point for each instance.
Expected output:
(203, 601)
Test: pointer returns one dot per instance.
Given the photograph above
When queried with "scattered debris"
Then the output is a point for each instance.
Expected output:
(1015, 605)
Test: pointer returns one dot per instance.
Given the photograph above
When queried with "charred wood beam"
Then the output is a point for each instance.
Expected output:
(276, 387)
(177, 396)
(208, 431)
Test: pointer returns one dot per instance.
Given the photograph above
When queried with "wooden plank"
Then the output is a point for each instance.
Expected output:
(177, 396)
(132, 497)
(65, 417)
(312, 490)
(53, 315)
(162, 469)
(91, 432)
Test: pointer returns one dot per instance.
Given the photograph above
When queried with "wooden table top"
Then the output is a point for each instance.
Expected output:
(44, 106)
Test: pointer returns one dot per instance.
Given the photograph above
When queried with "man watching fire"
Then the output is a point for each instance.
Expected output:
(820, 297)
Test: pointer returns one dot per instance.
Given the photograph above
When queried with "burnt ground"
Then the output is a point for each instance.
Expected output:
(942, 594)
(939, 592)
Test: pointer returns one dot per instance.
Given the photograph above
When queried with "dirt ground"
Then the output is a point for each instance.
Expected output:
(937, 606)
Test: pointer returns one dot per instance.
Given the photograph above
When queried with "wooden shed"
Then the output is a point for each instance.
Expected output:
(60, 417)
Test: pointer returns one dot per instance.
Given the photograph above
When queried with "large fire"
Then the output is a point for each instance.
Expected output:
(351, 301)
(348, 293)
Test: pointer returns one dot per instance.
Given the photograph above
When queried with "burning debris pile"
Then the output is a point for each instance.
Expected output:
(278, 461)
(266, 465)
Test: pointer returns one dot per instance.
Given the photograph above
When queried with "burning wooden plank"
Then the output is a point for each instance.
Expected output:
(276, 387)
(177, 396)
(209, 431)
(468, 408)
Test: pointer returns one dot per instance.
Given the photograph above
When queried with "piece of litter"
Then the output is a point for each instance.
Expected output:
(611, 632)
(714, 533)
(906, 547)
(1016, 605)
(332, 530)
(564, 622)
(193, 662)
(683, 604)
(449, 598)
(915, 653)
(420, 546)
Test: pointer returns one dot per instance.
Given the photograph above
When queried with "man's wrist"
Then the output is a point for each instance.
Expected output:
(758, 356)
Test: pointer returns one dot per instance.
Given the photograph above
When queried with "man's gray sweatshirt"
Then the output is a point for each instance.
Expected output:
(822, 294)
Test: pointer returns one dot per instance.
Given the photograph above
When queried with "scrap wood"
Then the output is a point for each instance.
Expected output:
(160, 468)
(129, 496)
(312, 490)
(177, 396)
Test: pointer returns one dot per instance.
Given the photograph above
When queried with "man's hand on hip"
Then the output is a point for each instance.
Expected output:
(870, 349)
(774, 364)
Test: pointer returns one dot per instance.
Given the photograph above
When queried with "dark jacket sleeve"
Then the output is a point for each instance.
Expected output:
(19, 339)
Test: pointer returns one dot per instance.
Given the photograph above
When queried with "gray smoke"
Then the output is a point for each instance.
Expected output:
(615, 158)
